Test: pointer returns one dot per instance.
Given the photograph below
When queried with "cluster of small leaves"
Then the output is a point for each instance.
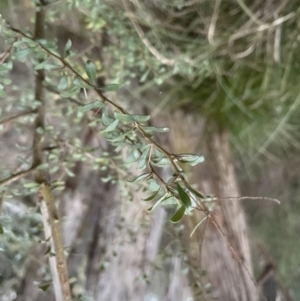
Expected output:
(122, 129)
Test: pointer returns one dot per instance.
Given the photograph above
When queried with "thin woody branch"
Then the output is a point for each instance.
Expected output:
(12, 118)
(15, 177)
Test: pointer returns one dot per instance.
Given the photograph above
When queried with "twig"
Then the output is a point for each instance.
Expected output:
(9, 119)
(5, 55)
(250, 198)
(137, 126)
(16, 177)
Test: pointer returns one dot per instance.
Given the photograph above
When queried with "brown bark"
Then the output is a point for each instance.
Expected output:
(227, 259)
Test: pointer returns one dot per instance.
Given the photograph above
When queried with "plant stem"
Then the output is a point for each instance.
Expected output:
(58, 262)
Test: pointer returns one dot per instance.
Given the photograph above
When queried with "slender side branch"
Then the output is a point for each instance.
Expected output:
(16, 177)
(12, 118)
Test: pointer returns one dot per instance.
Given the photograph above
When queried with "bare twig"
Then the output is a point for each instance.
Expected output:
(21, 114)
(15, 177)
(250, 198)
(5, 55)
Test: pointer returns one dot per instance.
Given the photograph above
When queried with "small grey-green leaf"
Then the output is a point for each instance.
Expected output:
(163, 198)
(178, 215)
(67, 47)
(184, 197)
(52, 67)
(31, 185)
(132, 156)
(106, 119)
(150, 129)
(45, 286)
(111, 127)
(22, 54)
(140, 118)
(41, 65)
(153, 186)
(112, 87)
(195, 192)
(143, 158)
(91, 71)
(87, 107)
(140, 178)
(191, 159)
(63, 83)
(79, 83)
(69, 172)
(123, 117)
(161, 162)
(99, 104)
(152, 196)
(121, 137)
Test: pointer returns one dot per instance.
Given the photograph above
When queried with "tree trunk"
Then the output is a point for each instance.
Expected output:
(113, 241)
(227, 259)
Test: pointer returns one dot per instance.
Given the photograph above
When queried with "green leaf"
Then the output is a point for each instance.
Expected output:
(150, 129)
(111, 127)
(22, 54)
(91, 71)
(184, 197)
(44, 286)
(121, 137)
(160, 162)
(191, 159)
(87, 107)
(178, 215)
(51, 67)
(63, 83)
(152, 196)
(70, 93)
(140, 118)
(31, 185)
(79, 83)
(67, 48)
(143, 159)
(132, 156)
(124, 117)
(112, 87)
(159, 201)
(153, 186)
(106, 119)
(69, 172)
(1, 229)
(41, 65)
(99, 104)
(140, 178)
(195, 192)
